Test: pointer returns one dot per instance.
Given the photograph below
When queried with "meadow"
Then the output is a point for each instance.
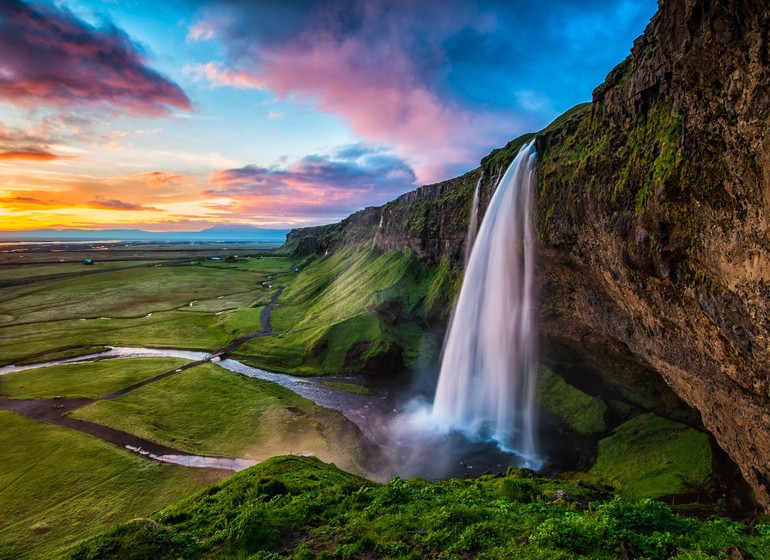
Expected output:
(58, 485)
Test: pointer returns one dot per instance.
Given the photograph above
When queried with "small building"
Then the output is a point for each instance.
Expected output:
(88, 261)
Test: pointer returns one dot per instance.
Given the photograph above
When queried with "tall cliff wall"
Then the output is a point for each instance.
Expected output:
(653, 216)
(654, 209)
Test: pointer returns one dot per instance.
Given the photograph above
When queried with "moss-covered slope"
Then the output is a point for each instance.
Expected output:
(298, 507)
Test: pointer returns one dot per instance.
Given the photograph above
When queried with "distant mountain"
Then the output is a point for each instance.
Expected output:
(224, 233)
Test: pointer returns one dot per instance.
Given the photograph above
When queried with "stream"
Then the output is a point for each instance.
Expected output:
(356, 408)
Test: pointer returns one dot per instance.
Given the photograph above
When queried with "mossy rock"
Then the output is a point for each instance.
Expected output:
(580, 412)
(650, 456)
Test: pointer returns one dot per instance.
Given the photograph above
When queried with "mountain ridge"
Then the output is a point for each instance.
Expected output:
(225, 232)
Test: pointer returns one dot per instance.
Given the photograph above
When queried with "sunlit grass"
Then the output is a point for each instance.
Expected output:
(87, 380)
(300, 508)
(58, 486)
(212, 411)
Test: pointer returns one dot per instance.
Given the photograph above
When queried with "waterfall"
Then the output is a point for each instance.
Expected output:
(487, 384)
(473, 223)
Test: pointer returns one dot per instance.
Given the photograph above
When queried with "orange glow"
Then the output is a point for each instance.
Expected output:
(31, 155)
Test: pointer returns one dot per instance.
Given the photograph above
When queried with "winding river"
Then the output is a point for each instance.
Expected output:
(356, 408)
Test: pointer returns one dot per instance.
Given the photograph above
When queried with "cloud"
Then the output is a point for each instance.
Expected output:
(48, 56)
(114, 204)
(166, 178)
(324, 186)
(20, 200)
(30, 154)
(440, 81)
(217, 76)
(29, 145)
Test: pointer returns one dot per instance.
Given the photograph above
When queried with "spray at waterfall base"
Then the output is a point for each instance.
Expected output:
(484, 412)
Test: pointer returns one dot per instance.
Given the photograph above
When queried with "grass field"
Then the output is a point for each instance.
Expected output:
(150, 290)
(53, 311)
(211, 411)
(58, 486)
(86, 380)
(172, 329)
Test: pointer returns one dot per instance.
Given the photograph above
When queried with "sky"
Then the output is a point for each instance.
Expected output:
(177, 115)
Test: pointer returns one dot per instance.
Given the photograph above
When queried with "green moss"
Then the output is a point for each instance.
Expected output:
(442, 289)
(583, 413)
(650, 456)
(300, 508)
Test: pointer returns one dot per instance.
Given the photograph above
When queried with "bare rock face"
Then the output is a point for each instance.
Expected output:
(654, 216)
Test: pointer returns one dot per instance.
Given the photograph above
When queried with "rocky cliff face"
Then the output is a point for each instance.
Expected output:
(654, 216)
(654, 223)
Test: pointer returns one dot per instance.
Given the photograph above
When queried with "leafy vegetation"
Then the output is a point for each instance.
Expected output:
(300, 508)
(58, 486)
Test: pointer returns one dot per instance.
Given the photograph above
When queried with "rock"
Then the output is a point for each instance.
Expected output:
(736, 553)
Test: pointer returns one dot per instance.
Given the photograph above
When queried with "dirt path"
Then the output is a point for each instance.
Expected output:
(56, 411)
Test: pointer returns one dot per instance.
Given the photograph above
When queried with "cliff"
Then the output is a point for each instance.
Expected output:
(653, 213)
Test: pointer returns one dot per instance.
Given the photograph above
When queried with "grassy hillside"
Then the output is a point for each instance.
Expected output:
(352, 311)
(301, 508)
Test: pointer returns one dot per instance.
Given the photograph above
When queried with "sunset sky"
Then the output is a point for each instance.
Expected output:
(179, 115)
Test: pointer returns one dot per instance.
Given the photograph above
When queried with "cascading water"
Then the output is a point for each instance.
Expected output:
(473, 222)
(487, 384)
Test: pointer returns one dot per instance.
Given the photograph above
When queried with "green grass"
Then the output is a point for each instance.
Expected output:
(349, 387)
(36, 271)
(650, 456)
(583, 413)
(265, 265)
(300, 508)
(239, 322)
(211, 411)
(348, 311)
(87, 380)
(46, 319)
(152, 289)
(170, 329)
(58, 486)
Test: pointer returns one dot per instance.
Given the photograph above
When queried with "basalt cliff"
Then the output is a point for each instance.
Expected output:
(653, 216)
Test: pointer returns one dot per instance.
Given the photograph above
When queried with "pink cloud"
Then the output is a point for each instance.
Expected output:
(48, 56)
(114, 204)
(218, 76)
(328, 186)
(377, 64)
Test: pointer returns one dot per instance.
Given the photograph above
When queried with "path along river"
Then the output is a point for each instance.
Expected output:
(55, 411)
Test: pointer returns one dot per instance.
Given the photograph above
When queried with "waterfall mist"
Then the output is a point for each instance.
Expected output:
(485, 395)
